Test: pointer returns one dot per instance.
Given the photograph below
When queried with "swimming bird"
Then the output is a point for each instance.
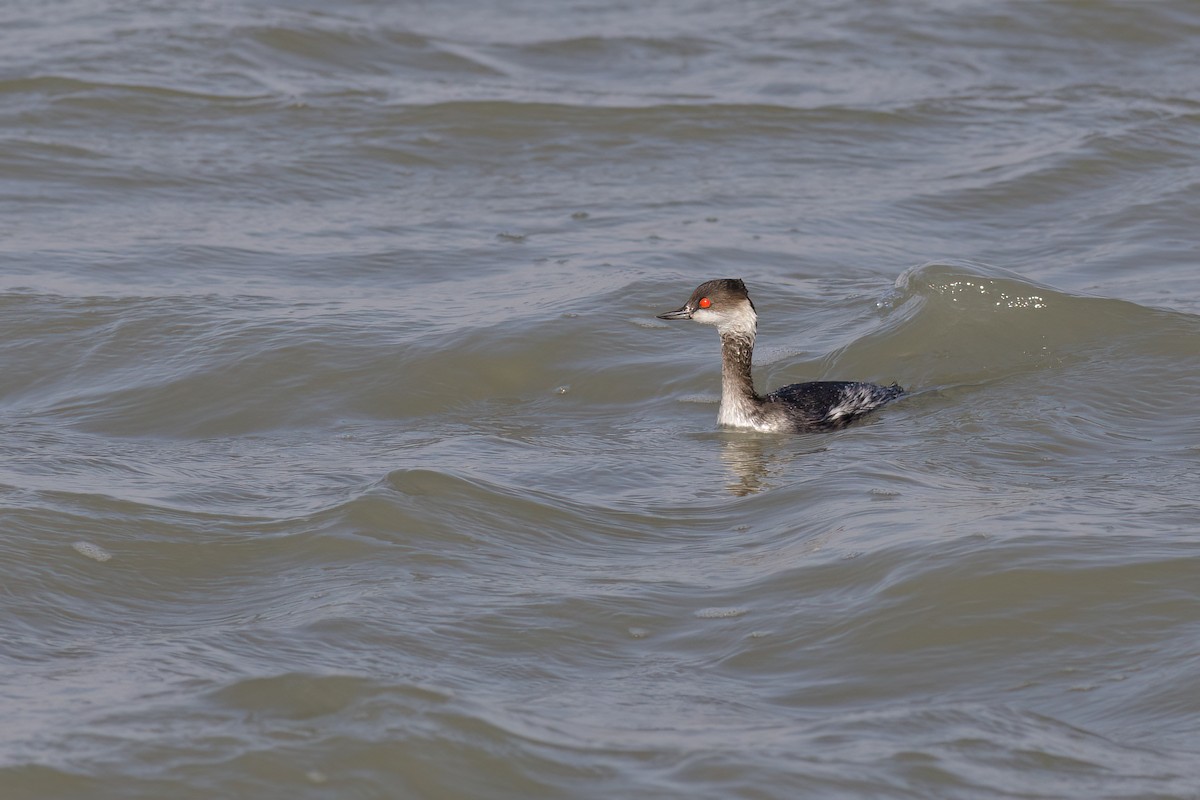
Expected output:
(798, 408)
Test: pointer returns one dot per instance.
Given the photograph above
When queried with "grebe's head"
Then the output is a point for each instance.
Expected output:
(723, 302)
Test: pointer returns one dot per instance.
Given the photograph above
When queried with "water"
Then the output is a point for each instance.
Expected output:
(344, 457)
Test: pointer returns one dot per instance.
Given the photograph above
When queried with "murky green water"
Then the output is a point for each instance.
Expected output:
(343, 455)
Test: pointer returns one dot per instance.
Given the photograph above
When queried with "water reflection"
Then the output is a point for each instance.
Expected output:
(755, 459)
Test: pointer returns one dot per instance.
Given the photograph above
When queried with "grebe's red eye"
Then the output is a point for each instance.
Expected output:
(704, 302)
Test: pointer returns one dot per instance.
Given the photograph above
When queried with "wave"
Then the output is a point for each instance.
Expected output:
(958, 322)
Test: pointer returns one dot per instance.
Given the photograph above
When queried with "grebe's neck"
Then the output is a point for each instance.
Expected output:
(738, 399)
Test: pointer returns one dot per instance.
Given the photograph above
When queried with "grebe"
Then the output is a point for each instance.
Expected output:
(799, 408)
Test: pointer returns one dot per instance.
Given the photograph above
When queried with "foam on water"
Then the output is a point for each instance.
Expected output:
(91, 551)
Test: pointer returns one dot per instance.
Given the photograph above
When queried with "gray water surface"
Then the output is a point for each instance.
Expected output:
(343, 456)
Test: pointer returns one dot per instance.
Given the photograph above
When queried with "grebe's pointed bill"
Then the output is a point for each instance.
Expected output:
(679, 313)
